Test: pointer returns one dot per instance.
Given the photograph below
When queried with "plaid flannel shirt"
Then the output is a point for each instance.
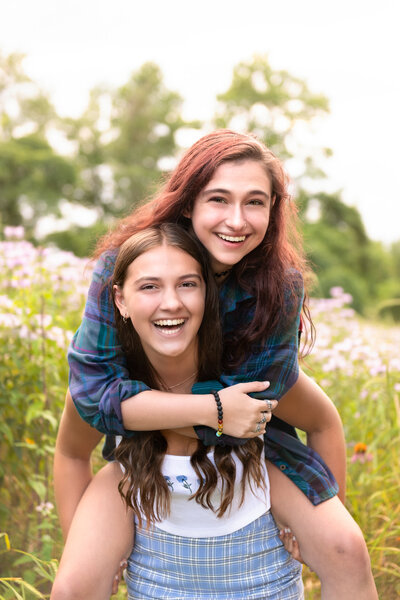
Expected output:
(99, 379)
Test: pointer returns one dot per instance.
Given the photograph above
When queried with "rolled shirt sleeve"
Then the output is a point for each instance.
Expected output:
(99, 379)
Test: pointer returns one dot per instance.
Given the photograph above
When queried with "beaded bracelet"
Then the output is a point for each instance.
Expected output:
(220, 413)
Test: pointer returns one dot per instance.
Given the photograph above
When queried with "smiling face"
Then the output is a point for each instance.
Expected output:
(164, 295)
(230, 215)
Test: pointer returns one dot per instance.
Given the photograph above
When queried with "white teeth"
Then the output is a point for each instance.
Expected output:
(169, 322)
(230, 238)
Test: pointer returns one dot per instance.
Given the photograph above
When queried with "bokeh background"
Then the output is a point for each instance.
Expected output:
(98, 99)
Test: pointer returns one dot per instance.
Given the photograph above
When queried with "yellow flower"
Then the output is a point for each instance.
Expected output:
(360, 448)
(29, 441)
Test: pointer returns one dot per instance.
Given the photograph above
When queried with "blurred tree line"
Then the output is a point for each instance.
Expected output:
(116, 153)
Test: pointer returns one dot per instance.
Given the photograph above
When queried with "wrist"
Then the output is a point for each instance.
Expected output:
(206, 410)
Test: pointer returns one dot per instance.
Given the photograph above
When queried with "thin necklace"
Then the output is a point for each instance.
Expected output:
(172, 387)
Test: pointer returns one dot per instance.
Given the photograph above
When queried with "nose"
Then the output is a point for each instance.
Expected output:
(170, 300)
(235, 219)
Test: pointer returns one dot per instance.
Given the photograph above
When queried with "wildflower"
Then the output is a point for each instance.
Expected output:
(29, 441)
(360, 448)
(336, 291)
(45, 508)
(360, 453)
(16, 233)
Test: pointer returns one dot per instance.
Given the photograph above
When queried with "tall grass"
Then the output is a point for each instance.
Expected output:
(358, 365)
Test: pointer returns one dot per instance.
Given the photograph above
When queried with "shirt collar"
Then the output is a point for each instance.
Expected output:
(231, 294)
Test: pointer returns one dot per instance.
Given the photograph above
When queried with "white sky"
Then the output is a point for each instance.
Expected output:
(347, 49)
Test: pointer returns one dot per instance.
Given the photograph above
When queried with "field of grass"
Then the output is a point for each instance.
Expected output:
(41, 301)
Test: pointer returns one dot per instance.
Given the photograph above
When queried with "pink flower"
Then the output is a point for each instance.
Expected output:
(361, 458)
(16, 233)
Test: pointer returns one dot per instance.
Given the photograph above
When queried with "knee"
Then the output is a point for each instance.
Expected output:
(348, 550)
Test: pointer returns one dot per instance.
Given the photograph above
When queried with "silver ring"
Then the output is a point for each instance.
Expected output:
(258, 428)
(269, 405)
(264, 418)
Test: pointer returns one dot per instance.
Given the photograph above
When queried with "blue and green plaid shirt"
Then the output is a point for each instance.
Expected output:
(99, 378)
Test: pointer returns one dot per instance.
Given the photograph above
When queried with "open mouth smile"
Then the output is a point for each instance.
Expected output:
(169, 326)
(230, 238)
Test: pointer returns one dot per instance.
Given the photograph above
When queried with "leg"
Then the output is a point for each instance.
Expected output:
(101, 535)
(330, 541)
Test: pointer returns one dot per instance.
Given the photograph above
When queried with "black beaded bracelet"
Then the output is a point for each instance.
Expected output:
(220, 413)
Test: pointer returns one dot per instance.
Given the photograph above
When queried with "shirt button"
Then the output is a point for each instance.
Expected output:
(282, 467)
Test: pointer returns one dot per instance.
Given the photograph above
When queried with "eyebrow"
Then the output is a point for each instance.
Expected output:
(224, 191)
(186, 276)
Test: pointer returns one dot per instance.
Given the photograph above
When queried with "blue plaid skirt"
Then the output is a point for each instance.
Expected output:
(249, 563)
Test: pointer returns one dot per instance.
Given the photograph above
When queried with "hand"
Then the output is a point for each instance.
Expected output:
(244, 416)
(290, 543)
(122, 566)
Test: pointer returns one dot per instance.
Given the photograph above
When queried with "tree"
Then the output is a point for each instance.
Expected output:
(341, 252)
(270, 104)
(125, 139)
(32, 174)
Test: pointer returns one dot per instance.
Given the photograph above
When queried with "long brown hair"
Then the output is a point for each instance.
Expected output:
(272, 272)
(143, 486)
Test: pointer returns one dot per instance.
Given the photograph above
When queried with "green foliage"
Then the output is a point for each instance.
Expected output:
(32, 178)
(32, 174)
(41, 299)
(119, 148)
(341, 253)
(124, 138)
(23, 105)
(79, 240)
(268, 103)
(36, 574)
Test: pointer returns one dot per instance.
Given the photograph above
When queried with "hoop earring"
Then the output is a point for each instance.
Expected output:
(125, 319)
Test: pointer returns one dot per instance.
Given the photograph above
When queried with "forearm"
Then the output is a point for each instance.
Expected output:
(71, 478)
(161, 410)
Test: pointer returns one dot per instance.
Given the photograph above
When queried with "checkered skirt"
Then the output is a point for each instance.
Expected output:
(249, 563)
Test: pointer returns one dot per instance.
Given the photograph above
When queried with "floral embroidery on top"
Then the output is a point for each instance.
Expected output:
(183, 480)
(170, 483)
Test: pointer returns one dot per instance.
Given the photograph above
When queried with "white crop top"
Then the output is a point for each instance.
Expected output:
(188, 518)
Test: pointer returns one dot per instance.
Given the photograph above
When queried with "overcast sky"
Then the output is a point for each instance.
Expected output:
(347, 49)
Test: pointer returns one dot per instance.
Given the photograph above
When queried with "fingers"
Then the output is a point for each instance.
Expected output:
(267, 406)
(290, 543)
(244, 416)
(122, 566)
(253, 386)
(115, 585)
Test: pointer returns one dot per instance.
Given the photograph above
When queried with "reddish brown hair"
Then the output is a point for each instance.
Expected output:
(272, 272)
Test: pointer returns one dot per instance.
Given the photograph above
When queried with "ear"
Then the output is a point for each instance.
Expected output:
(273, 200)
(119, 300)
(187, 213)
